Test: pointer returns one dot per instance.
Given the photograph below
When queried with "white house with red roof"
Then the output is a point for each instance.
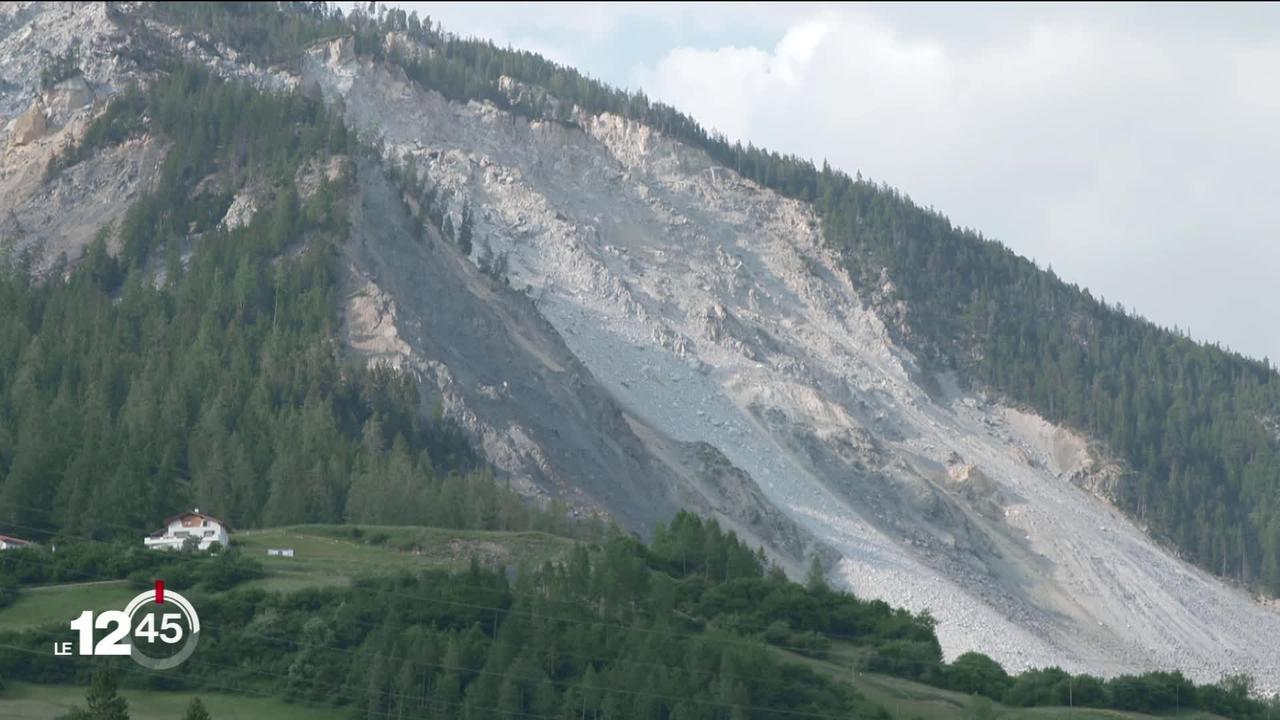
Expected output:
(200, 527)
(11, 543)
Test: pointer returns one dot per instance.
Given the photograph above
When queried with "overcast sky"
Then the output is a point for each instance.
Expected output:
(1135, 149)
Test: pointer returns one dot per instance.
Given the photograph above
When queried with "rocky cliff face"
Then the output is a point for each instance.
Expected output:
(491, 361)
(661, 333)
(61, 215)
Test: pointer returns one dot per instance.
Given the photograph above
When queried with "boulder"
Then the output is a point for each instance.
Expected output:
(341, 51)
(69, 95)
(241, 211)
(29, 126)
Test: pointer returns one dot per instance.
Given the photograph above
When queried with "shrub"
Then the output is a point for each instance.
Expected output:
(8, 590)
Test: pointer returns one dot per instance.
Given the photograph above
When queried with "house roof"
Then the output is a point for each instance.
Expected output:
(195, 513)
(14, 540)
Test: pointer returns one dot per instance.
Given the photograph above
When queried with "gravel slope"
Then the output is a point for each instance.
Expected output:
(708, 309)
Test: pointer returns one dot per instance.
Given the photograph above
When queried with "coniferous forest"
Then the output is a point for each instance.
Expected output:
(189, 360)
(222, 381)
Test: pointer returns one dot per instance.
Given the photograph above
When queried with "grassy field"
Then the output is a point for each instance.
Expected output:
(59, 604)
(23, 701)
(324, 555)
(329, 554)
(907, 700)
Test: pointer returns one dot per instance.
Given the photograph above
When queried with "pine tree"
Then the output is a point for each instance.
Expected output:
(447, 695)
(102, 698)
(464, 231)
(816, 579)
(196, 711)
(446, 228)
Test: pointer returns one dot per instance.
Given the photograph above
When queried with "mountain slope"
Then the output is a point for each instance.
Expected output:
(636, 327)
(709, 308)
(495, 365)
(1195, 426)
